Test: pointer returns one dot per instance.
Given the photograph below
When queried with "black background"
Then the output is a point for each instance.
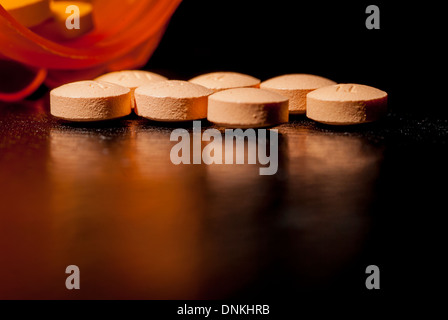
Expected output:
(270, 38)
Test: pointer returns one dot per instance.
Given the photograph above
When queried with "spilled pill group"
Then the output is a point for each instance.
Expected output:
(227, 99)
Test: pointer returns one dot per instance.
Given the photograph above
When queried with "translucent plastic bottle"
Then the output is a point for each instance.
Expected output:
(125, 34)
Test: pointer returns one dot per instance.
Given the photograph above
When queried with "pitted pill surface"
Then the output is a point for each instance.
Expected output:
(218, 81)
(345, 104)
(296, 87)
(172, 100)
(90, 101)
(247, 107)
(131, 79)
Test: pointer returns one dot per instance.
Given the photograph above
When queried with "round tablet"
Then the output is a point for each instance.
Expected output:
(218, 81)
(295, 87)
(131, 79)
(247, 108)
(90, 101)
(28, 12)
(345, 104)
(172, 100)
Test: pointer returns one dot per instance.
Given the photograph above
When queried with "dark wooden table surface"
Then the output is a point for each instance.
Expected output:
(107, 198)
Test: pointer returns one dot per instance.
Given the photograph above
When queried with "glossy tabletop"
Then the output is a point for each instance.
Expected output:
(107, 198)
